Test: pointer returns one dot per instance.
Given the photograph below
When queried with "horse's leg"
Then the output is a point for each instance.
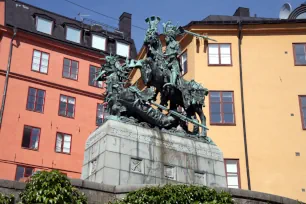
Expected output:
(199, 111)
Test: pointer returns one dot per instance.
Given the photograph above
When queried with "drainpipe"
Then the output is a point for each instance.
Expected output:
(242, 107)
(7, 76)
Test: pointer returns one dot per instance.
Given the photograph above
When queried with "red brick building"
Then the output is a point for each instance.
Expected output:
(49, 103)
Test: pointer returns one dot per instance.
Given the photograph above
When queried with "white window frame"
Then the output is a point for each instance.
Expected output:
(43, 63)
(75, 29)
(62, 149)
(120, 53)
(229, 173)
(184, 59)
(219, 54)
(44, 19)
(96, 45)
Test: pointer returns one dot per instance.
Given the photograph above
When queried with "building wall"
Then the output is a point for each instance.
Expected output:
(2, 12)
(16, 115)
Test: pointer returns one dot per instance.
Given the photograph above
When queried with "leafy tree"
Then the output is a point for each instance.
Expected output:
(168, 194)
(52, 188)
(6, 199)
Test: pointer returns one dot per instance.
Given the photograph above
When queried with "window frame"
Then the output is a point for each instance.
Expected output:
(129, 53)
(219, 55)
(27, 148)
(95, 76)
(36, 24)
(59, 104)
(36, 99)
(61, 152)
(238, 170)
(105, 46)
(294, 53)
(76, 28)
(70, 68)
(181, 62)
(221, 109)
(24, 167)
(42, 52)
(301, 111)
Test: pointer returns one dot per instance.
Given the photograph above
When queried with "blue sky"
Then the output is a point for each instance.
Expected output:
(178, 11)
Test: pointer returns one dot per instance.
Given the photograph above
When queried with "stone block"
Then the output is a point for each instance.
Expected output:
(219, 168)
(200, 178)
(124, 162)
(76, 182)
(220, 181)
(137, 165)
(99, 176)
(101, 161)
(112, 144)
(92, 177)
(102, 145)
(182, 174)
(94, 151)
(128, 147)
(110, 176)
(206, 165)
(85, 172)
(86, 157)
(211, 180)
(149, 180)
(112, 160)
(145, 151)
(192, 162)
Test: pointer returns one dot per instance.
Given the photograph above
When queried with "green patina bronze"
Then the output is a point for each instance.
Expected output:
(160, 72)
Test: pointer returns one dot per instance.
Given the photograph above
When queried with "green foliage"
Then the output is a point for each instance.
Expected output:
(169, 194)
(51, 187)
(6, 199)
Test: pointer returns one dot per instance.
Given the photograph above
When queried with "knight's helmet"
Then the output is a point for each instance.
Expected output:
(152, 22)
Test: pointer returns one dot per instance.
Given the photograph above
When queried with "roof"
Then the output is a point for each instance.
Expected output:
(234, 18)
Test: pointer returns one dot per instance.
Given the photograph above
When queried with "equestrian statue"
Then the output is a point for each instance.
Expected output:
(181, 101)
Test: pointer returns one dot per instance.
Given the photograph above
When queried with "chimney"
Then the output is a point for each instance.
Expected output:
(125, 24)
(242, 12)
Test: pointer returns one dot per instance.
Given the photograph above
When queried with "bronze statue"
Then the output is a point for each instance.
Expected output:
(160, 72)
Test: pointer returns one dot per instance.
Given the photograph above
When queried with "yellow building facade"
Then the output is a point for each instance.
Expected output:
(256, 74)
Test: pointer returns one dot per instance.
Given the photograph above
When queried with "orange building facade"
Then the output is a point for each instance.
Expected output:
(256, 107)
(50, 103)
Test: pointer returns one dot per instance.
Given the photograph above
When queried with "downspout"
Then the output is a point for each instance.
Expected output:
(242, 107)
(6, 77)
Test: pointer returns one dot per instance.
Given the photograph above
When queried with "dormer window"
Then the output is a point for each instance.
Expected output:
(98, 42)
(44, 25)
(123, 49)
(73, 34)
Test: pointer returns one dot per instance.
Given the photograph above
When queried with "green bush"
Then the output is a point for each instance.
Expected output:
(175, 194)
(51, 187)
(6, 199)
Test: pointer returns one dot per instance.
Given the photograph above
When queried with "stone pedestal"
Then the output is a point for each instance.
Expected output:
(118, 153)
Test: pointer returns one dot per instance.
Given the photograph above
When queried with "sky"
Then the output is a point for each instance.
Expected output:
(178, 11)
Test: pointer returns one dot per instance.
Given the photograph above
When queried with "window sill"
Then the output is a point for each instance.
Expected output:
(220, 65)
(299, 65)
(69, 78)
(63, 153)
(65, 116)
(25, 148)
(35, 111)
(39, 72)
(95, 86)
(223, 124)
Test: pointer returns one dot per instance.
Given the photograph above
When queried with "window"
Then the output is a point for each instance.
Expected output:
(221, 107)
(73, 34)
(44, 25)
(30, 139)
(67, 106)
(303, 110)
(184, 63)
(63, 143)
(100, 110)
(232, 173)
(219, 54)
(300, 54)
(98, 42)
(40, 62)
(123, 49)
(92, 76)
(36, 100)
(71, 69)
(23, 172)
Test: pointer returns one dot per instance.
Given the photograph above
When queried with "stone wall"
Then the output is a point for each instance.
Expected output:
(102, 193)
